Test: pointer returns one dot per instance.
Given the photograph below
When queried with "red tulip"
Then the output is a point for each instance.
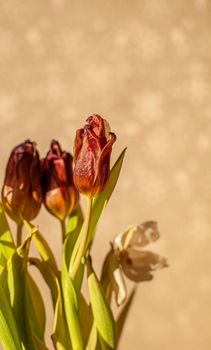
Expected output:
(59, 193)
(93, 145)
(21, 192)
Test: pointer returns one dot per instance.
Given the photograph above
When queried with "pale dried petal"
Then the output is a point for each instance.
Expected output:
(137, 236)
(112, 278)
(119, 286)
(139, 265)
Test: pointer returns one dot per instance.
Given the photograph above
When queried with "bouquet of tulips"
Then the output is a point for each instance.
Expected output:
(80, 321)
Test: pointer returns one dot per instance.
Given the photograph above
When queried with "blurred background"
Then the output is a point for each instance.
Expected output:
(146, 67)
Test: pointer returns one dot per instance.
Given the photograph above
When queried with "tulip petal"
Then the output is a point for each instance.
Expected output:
(78, 143)
(112, 279)
(119, 286)
(100, 127)
(137, 236)
(138, 266)
(102, 173)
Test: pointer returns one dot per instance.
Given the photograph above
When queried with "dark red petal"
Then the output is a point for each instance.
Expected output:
(105, 157)
(97, 124)
(78, 143)
(55, 148)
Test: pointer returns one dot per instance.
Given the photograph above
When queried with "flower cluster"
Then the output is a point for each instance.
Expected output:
(57, 181)
(30, 181)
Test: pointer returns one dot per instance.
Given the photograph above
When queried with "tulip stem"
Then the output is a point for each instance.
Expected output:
(19, 234)
(63, 229)
(83, 243)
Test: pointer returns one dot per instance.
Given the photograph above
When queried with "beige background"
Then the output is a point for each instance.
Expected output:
(145, 66)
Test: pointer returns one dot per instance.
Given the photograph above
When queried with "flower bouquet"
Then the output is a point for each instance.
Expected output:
(81, 321)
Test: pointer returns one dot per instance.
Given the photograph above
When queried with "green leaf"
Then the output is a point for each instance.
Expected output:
(60, 334)
(86, 318)
(16, 270)
(7, 245)
(71, 305)
(102, 345)
(35, 308)
(123, 315)
(93, 338)
(48, 275)
(75, 221)
(42, 245)
(102, 199)
(15, 281)
(9, 336)
(102, 313)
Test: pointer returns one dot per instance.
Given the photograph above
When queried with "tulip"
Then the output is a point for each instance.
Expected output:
(21, 192)
(126, 258)
(59, 193)
(93, 145)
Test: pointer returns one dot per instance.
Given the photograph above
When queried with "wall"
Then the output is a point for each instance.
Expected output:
(145, 66)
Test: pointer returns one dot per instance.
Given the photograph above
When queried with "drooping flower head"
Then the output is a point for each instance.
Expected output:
(59, 193)
(127, 257)
(93, 145)
(21, 192)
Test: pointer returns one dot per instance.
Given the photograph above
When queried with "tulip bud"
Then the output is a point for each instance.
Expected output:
(21, 192)
(93, 145)
(59, 193)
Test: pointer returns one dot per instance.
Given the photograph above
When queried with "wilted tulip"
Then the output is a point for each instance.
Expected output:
(93, 145)
(59, 193)
(125, 257)
(21, 192)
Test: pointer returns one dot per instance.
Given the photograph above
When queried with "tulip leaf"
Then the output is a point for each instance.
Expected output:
(71, 305)
(93, 338)
(102, 345)
(102, 313)
(123, 315)
(75, 221)
(102, 199)
(42, 245)
(48, 275)
(20, 291)
(60, 334)
(9, 336)
(86, 319)
(7, 245)
(16, 270)
(35, 308)
(95, 341)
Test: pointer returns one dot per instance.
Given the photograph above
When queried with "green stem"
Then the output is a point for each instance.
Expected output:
(63, 229)
(19, 234)
(83, 243)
